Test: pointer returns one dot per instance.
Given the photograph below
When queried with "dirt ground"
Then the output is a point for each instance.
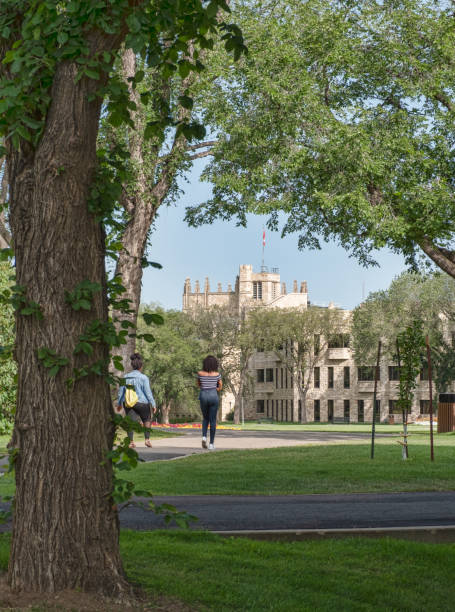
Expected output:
(74, 601)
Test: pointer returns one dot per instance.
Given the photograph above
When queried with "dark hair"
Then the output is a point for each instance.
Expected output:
(136, 361)
(210, 364)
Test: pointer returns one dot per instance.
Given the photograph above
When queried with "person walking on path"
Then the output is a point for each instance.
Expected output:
(145, 400)
(210, 384)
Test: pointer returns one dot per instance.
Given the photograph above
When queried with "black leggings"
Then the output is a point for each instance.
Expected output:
(140, 412)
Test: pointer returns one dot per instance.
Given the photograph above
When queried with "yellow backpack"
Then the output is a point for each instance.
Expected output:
(130, 397)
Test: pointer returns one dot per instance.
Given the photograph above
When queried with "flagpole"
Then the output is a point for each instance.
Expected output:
(263, 245)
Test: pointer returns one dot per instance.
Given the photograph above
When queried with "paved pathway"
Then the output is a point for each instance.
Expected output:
(190, 442)
(303, 512)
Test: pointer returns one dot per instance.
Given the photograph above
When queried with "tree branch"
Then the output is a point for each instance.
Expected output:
(442, 257)
(207, 143)
(201, 154)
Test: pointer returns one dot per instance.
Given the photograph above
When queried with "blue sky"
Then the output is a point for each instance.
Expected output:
(217, 250)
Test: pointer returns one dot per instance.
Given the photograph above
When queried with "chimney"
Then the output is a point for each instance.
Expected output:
(206, 285)
(303, 287)
(294, 287)
(229, 288)
(220, 289)
(197, 288)
(283, 289)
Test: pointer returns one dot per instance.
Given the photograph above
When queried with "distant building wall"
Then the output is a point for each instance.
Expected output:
(346, 397)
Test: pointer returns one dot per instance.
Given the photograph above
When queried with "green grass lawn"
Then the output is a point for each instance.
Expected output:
(213, 573)
(334, 468)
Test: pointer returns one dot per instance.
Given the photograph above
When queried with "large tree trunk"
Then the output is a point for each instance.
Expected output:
(141, 204)
(65, 525)
(165, 411)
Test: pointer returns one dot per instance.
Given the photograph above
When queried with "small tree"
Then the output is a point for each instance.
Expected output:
(410, 347)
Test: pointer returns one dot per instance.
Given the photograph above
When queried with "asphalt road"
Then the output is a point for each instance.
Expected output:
(300, 512)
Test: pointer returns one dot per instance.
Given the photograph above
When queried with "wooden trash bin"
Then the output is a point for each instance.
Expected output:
(446, 412)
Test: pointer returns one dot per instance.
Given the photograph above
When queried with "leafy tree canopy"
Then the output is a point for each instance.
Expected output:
(341, 118)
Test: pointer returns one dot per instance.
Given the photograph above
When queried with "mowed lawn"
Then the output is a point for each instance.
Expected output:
(331, 468)
(208, 572)
(334, 468)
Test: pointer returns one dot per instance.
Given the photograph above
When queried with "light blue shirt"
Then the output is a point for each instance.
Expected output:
(141, 386)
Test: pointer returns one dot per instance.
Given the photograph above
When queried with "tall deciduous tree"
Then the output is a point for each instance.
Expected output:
(300, 339)
(230, 337)
(55, 73)
(411, 297)
(341, 118)
(172, 360)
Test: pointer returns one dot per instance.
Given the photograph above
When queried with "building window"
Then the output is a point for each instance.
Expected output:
(287, 416)
(347, 377)
(347, 411)
(260, 375)
(276, 378)
(366, 373)
(338, 341)
(300, 411)
(281, 377)
(361, 411)
(394, 373)
(268, 408)
(257, 290)
(424, 372)
(286, 378)
(378, 411)
(317, 378)
(269, 375)
(330, 377)
(317, 410)
(330, 410)
(393, 407)
(260, 406)
(282, 402)
(292, 411)
(425, 406)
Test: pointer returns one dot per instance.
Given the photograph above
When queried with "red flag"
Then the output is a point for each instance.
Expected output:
(263, 237)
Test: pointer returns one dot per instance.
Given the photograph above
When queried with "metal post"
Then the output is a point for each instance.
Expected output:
(427, 342)
(373, 428)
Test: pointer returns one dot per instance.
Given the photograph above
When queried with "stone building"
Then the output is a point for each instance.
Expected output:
(339, 390)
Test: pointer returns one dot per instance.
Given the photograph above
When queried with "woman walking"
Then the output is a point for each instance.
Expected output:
(210, 384)
(145, 400)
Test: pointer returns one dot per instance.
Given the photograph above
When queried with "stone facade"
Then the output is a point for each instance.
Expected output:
(338, 389)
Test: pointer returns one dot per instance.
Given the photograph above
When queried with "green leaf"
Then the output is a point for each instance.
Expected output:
(186, 102)
(62, 38)
(92, 74)
(153, 318)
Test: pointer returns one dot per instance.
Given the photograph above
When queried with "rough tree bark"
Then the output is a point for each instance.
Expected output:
(65, 526)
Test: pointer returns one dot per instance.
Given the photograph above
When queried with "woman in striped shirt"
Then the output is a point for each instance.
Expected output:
(210, 384)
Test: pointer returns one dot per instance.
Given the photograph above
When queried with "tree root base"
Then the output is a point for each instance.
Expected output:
(84, 602)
